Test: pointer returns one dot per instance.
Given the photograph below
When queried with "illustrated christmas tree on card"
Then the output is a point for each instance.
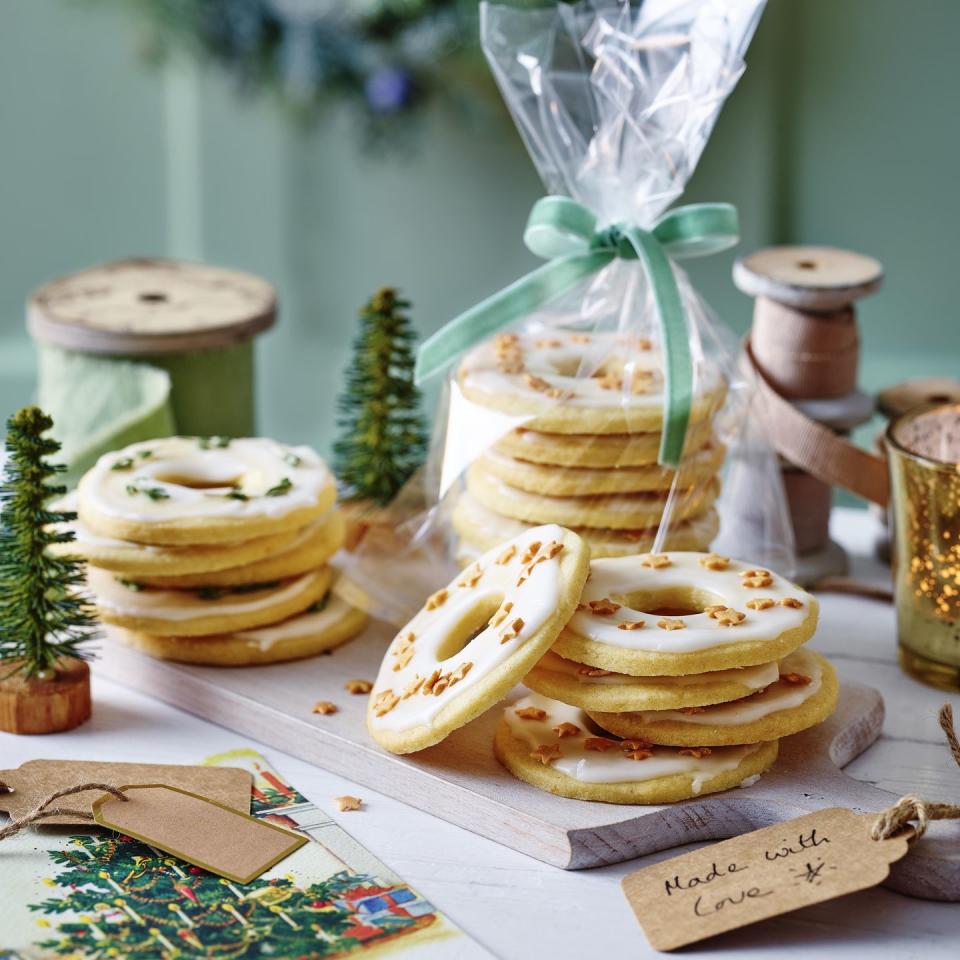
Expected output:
(44, 619)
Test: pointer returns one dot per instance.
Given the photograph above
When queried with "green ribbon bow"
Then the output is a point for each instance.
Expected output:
(565, 233)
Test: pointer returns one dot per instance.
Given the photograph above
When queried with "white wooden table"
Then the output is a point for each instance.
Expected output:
(519, 907)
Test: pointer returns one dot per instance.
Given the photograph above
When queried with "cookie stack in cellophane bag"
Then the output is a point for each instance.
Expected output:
(214, 551)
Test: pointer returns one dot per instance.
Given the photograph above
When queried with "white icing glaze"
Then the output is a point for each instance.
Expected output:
(188, 604)
(303, 625)
(612, 766)
(754, 678)
(776, 697)
(534, 601)
(622, 576)
(570, 367)
(253, 465)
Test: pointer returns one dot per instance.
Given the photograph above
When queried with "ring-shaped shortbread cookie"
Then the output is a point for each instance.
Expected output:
(580, 383)
(804, 694)
(189, 490)
(553, 481)
(482, 529)
(474, 640)
(551, 745)
(618, 511)
(594, 689)
(681, 613)
(203, 612)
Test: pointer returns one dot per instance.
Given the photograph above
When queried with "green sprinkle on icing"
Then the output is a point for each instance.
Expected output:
(292, 459)
(280, 489)
(213, 443)
(124, 463)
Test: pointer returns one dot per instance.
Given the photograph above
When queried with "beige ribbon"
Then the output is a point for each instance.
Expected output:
(43, 810)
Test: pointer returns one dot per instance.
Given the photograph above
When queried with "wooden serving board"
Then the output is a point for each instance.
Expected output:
(460, 780)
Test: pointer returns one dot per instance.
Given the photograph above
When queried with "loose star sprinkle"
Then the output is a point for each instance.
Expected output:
(546, 752)
(600, 744)
(669, 623)
(792, 602)
(531, 713)
(358, 686)
(698, 753)
(325, 707)
(346, 803)
(797, 679)
(631, 625)
(566, 729)
(603, 608)
(656, 561)
(435, 600)
(713, 561)
(761, 603)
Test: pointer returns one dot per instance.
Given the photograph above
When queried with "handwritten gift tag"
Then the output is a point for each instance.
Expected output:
(758, 875)
(201, 831)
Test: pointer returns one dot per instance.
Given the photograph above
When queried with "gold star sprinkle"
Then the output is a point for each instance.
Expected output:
(603, 608)
(797, 679)
(358, 686)
(325, 707)
(631, 625)
(761, 603)
(546, 752)
(792, 602)
(698, 753)
(713, 561)
(656, 561)
(531, 713)
(435, 600)
(507, 555)
(347, 802)
(566, 729)
(669, 623)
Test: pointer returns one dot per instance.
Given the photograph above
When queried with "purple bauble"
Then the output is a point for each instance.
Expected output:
(388, 89)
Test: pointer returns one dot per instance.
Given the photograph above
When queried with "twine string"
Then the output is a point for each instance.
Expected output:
(44, 811)
(913, 809)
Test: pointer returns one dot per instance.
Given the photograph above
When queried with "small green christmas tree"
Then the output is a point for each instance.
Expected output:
(383, 438)
(42, 618)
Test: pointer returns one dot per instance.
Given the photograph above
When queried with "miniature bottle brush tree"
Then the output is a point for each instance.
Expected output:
(45, 621)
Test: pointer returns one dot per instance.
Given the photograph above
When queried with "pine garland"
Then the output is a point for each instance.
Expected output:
(383, 438)
(42, 618)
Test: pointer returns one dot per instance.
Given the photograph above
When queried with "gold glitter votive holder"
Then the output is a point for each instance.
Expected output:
(924, 455)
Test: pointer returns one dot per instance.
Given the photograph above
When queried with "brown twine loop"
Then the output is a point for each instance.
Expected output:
(910, 808)
(42, 813)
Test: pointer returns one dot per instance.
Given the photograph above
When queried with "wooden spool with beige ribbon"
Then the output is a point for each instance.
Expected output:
(804, 348)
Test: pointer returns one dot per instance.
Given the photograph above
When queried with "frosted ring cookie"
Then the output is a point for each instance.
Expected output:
(552, 746)
(681, 613)
(190, 490)
(310, 549)
(203, 612)
(579, 383)
(326, 625)
(482, 529)
(474, 639)
(804, 694)
(594, 689)
(624, 511)
(556, 481)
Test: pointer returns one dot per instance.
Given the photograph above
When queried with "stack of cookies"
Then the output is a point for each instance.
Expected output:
(213, 550)
(654, 678)
(584, 455)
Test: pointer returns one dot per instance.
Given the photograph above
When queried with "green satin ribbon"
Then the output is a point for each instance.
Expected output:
(565, 233)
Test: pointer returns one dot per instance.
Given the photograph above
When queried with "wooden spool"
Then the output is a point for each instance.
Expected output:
(804, 342)
(45, 706)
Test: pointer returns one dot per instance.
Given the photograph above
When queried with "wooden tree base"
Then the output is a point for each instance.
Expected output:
(45, 706)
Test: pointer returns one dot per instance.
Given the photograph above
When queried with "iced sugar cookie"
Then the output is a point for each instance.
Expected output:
(482, 529)
(133, 560)
(474, 639)
(804, 694)
(328, 624)
(595, 450)
(624, 511)
(579, 383)
(556, 481)
(682, 613)
(595, 689)
(311, 548)
(205, 611)
(553, 746)
(190, 490)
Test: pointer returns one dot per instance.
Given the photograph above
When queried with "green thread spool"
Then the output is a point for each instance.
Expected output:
(137, 349)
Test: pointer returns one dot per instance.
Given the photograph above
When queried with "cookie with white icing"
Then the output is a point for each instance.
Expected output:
(580, 383)
(204, 490)
(681, 613)
(804, 694)
(474, 639)
(328, 624)
(482, 529)
(205, 611)
(616, 511)
(595, 689)
(554, 481)
(554, 746)
(132, 560)
(595, 450)
(311, 548)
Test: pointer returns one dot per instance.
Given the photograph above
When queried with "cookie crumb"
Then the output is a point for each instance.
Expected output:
(347, 802)
(325, 707)
(358, 686)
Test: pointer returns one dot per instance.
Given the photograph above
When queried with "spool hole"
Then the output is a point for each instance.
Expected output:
(473, 622)
(806, 265)
(153, 296)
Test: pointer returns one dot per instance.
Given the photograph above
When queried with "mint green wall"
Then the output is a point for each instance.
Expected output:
(841, 132)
